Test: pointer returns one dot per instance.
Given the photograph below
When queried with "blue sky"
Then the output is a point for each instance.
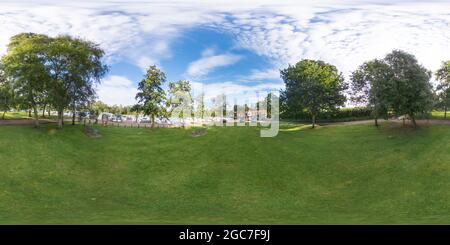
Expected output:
(233, 46)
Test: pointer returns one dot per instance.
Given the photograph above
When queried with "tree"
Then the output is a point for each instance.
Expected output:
(6, 95)
(57, 71)
(411, 88)
(96, 108)
(315, 86)
(200, 106)
(371, 85)
(151, 96)
(443, 76)
(24, 66)
(180, 99)
(137, 108)
(74, 66)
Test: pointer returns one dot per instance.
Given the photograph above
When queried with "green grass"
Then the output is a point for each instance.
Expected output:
(439, 115)
(15, 115)
(25, 115)
(348, 174)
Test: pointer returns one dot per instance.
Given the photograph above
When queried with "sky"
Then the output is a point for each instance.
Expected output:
(229, 46)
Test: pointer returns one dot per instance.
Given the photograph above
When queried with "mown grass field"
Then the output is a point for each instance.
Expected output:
(346, 174)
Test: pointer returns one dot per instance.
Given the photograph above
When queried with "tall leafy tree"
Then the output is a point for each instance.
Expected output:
(151, 97)
(200, 106)
(24, 66)
(6, 94)
(137, 108)
(412, 90)
(59, 71)
(371, 85)
(180, 99)
(443, 76)
(74, 66)
(315, 86)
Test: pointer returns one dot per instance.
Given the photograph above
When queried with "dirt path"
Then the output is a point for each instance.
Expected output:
(353, 122)
(419, 122)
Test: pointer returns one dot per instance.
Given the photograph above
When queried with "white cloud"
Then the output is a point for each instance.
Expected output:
(145, 62)
(117, 90)
(345, 33)
(347, 36)
(208, 52)
(206, 64)
(269, 74)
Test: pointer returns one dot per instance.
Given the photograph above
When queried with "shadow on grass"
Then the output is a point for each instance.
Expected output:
(398, 130)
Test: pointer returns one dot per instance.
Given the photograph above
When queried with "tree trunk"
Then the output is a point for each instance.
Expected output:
(413, 120)
(375, 114)
(36, 117)
(29, 112)
(43, 111)
(445, 112)
(4, 112)
(313, 121)
(153, 121)
(48, 112)
(60, 118)
(73, 114)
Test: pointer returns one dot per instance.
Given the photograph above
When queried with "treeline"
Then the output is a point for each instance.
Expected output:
(395, 85)
(40, 72)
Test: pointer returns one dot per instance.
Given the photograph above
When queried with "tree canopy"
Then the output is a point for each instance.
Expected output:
(371, 85)
(411, 85)
(60, 70)
(314, 86)
(151, 96)
(6, 94)
(397, 83)
(443, 76)
(180, 100)
(24, 65)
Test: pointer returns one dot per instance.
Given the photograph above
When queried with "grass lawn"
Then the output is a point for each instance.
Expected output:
(15, 115)
(25, 115)
(439, 115)
(334, 175)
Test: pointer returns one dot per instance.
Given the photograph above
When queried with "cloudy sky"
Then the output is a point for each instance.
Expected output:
(233, 46)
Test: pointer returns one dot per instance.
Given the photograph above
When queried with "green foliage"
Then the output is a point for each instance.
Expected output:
(25, 70)
(314, 86)
(397, 83)
(180, 98)
(74, 65)
(371, 86)
(411, 85)
(443, 97)
(200, 109)
(6, 95)
(151, 97)
(59, 71)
